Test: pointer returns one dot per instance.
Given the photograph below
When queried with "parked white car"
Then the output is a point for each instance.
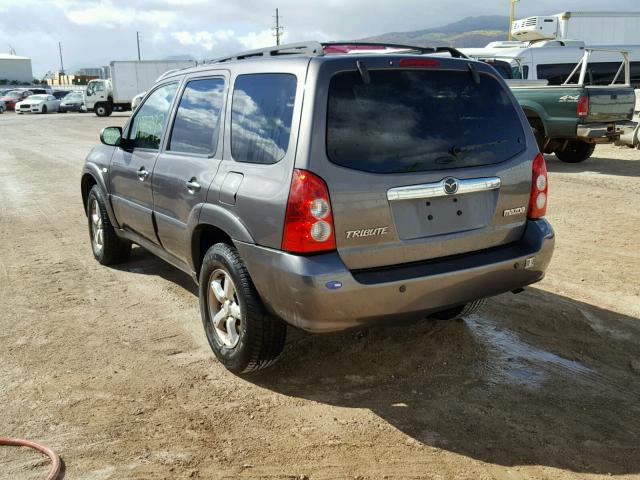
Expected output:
(38, 104)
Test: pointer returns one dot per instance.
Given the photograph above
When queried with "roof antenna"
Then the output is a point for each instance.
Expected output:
(364, 73)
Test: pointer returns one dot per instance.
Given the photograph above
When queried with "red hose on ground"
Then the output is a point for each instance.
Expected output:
(56, 463)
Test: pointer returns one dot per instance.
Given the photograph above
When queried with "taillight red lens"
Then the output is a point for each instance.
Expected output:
(308, 223)
(583, 106)
(539, 188)
(413, 62)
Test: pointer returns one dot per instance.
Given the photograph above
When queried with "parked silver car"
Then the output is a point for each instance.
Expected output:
(330, 190)
(73, 102)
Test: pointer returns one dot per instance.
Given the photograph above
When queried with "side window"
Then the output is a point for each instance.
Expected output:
(261, 115)
(556, 73)
(635, 74)
(197, 123)
(148, 123)
(603, 73)
(521, 73)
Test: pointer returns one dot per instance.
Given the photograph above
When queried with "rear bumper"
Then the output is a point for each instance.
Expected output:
(603, 131)
(303, 290)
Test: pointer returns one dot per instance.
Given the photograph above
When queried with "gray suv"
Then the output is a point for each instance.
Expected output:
(325, 186)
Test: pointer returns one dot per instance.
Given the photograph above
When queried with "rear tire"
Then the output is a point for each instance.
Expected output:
(245, 338)
(457, 313)
(107, 247)
(576, 151)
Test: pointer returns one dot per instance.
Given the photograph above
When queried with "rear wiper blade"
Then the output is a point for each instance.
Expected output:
(477, 146)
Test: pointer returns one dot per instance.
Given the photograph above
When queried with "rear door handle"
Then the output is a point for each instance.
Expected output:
(142, 174)
(193, 186)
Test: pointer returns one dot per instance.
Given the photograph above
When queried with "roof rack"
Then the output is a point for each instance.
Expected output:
(317, 49)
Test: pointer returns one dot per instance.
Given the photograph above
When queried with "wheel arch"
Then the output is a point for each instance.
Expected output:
(215, 224)
(91, 176)
(534, 115)
(203, 237)
(86, 184)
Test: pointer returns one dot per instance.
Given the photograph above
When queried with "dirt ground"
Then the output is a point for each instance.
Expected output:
(110, 366)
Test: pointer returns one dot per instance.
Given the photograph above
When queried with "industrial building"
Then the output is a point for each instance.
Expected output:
(15, 68)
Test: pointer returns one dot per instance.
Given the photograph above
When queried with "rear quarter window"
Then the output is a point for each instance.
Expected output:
(420, 120)
(261, 113)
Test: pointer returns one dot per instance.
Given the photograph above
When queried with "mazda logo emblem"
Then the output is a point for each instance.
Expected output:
(450, 186)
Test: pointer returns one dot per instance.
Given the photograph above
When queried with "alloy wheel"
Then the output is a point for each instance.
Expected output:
(97, 230)
(225, 314)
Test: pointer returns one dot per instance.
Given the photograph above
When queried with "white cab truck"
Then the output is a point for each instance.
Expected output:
(127, 79)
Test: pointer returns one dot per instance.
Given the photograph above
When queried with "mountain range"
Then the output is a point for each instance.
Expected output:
(468, 32)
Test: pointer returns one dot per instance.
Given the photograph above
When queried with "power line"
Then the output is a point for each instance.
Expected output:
(278, 29)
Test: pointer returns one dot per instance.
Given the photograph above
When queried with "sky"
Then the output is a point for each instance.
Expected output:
(94, 32)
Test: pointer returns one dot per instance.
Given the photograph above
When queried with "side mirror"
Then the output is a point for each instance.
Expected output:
(111, 136)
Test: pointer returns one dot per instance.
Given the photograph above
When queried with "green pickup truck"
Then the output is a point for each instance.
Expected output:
(570, 119)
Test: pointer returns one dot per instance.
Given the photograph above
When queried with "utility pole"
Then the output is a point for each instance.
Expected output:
(138, 40)
(12, 50)
(277, 30)
(61, 74)
(512, 15)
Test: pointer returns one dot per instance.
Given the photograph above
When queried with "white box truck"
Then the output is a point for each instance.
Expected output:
(127, 79)
(593, 28)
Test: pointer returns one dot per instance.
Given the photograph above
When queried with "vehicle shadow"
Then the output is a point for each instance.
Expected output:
(145, 263)
(536, 379)
(605, 166)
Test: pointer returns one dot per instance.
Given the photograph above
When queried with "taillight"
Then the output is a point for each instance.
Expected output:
(583, 106)
(308, 223)
(418, 63)
(539, 188)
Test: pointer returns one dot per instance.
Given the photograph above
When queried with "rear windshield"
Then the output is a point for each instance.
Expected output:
(420, 120)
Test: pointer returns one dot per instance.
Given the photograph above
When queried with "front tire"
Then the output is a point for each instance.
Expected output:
(102, 110)
(576, 151)
(107, 247)
(457, 313)
(44, 109)
(242, 334)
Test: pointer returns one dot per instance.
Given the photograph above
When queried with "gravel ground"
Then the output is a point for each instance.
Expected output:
(110, 367)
